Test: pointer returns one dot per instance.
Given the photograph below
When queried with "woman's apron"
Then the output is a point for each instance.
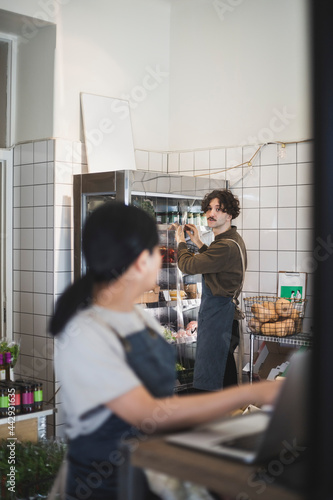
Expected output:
(94, 459)
(215, 319)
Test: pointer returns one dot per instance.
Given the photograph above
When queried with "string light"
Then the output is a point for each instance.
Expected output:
(281, 154)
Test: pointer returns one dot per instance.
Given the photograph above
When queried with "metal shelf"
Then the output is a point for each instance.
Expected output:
(298, 339)
(186, 304)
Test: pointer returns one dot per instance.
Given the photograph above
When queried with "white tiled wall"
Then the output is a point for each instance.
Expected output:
(42, 248)
(275, 193)
(32, 259)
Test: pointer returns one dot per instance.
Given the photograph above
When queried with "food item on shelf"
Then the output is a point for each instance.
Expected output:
(254, 325)
(191, 327)
(295, 314)
(275, 316)
(262, 313)
(174, 295)
(171, 255)
(169, 334)
(185, 336)
(180, 333)
(290, 326)
(283, 308)
(279, 328)
(180, 336)
(191, 291)
(163, 251)
(191, 331)
(168, 255)
(268, 304)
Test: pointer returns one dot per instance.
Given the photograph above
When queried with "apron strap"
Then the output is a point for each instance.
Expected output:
(238, 291)
(123, 340)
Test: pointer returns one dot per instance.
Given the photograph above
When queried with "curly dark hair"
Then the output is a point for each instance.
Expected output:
(228, 201)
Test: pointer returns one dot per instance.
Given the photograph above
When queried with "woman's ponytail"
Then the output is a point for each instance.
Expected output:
(77, 295)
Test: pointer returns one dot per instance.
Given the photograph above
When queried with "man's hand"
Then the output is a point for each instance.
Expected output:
(180, 235)
(193, 233)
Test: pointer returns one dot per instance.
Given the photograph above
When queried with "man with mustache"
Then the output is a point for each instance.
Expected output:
(222, 265)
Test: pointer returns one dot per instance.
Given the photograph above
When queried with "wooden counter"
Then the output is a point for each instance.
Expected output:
(223, 476)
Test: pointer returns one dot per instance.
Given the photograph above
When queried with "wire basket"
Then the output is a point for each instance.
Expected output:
(275, 316)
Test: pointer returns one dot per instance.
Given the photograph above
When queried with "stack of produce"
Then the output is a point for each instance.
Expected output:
(278, 317)
(181, 336)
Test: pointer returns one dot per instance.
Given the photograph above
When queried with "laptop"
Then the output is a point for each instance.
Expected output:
(256, 437)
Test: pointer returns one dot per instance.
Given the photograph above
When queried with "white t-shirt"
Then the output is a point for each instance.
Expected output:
(91, 367)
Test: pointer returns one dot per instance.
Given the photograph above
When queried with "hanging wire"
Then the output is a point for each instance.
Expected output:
(247, 162)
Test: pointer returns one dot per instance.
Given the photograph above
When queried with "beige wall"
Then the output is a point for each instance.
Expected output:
(239, 72)
(197, 73)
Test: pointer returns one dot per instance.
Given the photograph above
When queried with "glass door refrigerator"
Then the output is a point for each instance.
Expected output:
(175, 300)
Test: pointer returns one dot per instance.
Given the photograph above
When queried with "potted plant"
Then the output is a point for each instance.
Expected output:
(27, 470)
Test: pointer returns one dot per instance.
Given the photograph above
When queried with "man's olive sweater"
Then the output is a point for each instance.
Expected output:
(220, 263)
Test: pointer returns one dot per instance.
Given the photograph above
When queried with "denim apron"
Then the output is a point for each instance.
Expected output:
(215, 320)
(94, 459)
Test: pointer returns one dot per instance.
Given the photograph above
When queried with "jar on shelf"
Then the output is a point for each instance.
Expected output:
(165, 218)
(38, 395)
(197, 219)
(175, 217)
(15, 399)
(190, 219)
(3, 400)
(203, 220)
(27, 397)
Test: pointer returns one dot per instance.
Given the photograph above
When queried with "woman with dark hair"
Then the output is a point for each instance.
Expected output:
(117, 373)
